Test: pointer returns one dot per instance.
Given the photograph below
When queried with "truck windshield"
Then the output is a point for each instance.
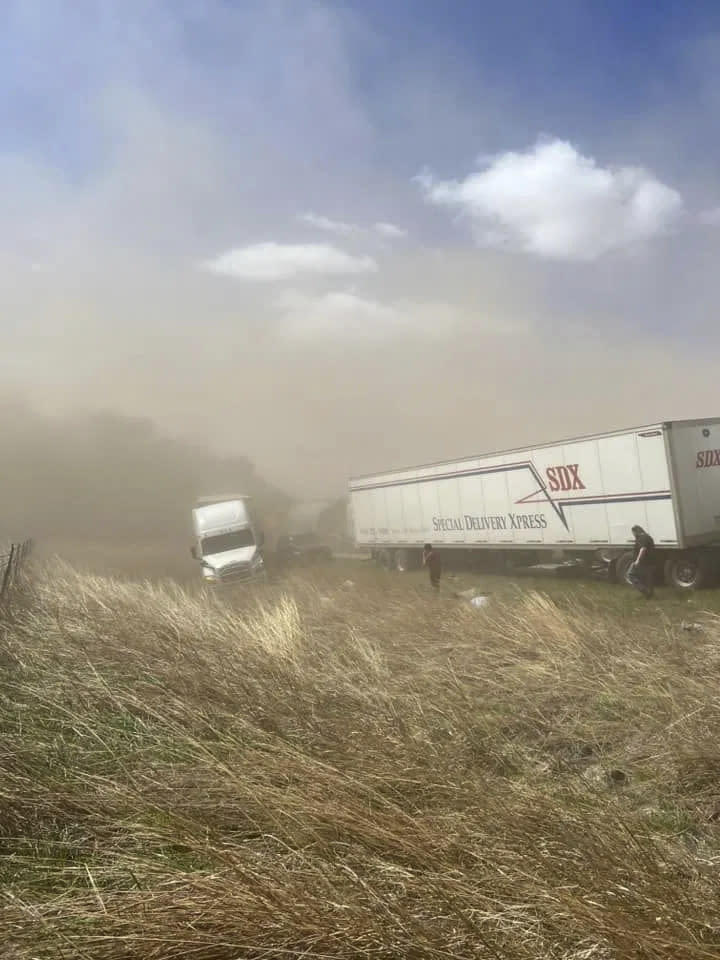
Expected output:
(227, 541)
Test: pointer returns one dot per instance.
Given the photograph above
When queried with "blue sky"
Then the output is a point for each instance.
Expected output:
(567, 50)
(553, 63)
(581, 65)
(345, 200)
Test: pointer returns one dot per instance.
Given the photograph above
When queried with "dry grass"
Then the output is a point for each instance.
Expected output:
(358, 772)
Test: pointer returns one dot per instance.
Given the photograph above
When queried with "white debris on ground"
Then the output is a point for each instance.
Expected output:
(475, 598)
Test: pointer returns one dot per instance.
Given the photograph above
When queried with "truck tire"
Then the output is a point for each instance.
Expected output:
(384, 559)
(622, 566)
(406, 560)
(688, 570)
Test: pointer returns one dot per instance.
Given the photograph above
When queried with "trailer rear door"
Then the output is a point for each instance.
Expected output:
(695, 456)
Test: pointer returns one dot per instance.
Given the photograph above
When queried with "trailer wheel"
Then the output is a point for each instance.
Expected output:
(688, 570)
(622, 567)
(384, 559)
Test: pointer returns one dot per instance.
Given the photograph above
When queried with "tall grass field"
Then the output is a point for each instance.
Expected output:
(333, 769)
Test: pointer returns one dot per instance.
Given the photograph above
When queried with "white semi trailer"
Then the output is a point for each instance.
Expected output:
(578, 496)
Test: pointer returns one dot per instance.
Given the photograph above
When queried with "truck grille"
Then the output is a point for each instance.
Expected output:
(236, 573)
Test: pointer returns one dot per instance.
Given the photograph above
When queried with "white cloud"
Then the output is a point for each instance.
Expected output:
(390, 231)
(328, 225)
(554, 202)
(278, 261)
(383, 229)
(337, 311)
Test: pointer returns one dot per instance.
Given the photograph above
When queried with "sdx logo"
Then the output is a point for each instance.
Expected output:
(707, 458)
(564, 478)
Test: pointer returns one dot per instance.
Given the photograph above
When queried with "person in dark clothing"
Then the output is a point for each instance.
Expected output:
(431, 560)
(641, 574)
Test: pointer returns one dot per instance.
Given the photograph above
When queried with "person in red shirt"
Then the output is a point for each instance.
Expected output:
(431, 560)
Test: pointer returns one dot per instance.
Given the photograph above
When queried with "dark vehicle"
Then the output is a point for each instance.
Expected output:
(303, 548)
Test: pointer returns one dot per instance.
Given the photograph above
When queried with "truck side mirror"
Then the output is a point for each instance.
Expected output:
(193, 553)
(261, 538)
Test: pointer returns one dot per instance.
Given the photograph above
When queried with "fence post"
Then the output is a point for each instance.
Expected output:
(7, 573)
(16, 561)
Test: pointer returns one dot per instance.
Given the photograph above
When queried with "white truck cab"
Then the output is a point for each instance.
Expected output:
(228, 544)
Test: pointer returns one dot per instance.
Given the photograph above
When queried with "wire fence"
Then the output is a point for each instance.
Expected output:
(12, 561)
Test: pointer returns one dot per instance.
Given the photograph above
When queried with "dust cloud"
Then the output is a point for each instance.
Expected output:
(112, 491)
(169, 154)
